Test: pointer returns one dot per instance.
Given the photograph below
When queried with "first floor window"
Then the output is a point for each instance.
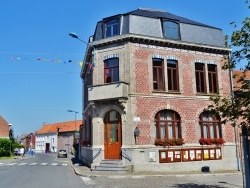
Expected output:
(111, 70)
(212, 78)
(173, 80)
(210, 125)
(167, 125)
(200, 77)
(158, 75)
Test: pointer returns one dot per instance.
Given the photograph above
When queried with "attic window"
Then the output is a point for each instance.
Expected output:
(111, 27)
(171, 30)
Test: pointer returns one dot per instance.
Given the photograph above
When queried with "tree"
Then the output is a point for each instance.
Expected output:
(235, 107)
(11, 135)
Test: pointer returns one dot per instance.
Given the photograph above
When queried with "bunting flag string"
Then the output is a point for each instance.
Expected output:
(55, 60)
(45, 60)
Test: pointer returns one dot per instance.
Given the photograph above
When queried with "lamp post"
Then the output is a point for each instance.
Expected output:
(75, 129)
(75, 117)
(74, 35)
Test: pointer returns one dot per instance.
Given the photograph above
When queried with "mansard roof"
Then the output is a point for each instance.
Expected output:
(147, 23)
(152, 13)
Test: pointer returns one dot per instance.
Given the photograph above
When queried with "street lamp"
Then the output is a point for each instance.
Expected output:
(75, 132)
(75, 116)
(74, 35)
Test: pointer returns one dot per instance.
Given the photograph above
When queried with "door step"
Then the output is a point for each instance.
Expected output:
(111, 166)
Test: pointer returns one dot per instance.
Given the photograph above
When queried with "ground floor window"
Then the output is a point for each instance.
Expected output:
(167, 125)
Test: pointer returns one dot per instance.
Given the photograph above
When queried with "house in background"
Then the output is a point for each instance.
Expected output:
(28, 140)
(153, 71)
(4, 128)
(52, 137)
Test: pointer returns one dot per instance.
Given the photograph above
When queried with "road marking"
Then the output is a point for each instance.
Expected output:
(33, 164)
(64, 164)
(1, 163)
(88, 181)
(54, 164)
(22, 164)
(44, 164)
(11, 164)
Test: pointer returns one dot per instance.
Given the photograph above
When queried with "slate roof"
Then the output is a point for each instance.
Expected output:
(148, 23)
(162, 14)
(63, 126)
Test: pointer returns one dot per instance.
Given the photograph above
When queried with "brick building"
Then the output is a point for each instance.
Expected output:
(155, 71)
(4, 128)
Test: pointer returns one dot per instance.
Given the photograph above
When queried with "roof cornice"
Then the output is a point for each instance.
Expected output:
(160, 42)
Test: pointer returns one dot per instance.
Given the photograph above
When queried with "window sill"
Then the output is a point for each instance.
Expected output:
(207, 94)
(167, 92)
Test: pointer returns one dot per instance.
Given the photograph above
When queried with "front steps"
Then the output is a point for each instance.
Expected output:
(111, 166)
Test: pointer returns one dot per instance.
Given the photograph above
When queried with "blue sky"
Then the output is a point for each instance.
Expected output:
(40, 63)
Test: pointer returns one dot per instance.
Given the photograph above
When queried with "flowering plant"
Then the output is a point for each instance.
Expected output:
(169, 142)
(209, 141)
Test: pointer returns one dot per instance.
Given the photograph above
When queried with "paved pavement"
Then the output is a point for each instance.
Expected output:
(85, 171)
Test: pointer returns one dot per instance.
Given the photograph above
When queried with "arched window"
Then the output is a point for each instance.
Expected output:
(167, 124)
(210, 125)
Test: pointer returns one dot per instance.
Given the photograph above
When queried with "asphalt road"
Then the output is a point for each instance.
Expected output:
(40, 171)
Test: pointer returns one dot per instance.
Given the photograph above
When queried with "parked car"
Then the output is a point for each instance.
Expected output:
(17, 151)
(62, 153)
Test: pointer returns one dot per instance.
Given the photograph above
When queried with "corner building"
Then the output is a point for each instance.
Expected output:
(156, 71)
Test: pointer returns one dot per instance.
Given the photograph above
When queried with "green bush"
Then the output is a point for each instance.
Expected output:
(5, 147)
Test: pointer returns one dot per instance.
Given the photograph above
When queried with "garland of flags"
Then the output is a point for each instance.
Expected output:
(55, 60)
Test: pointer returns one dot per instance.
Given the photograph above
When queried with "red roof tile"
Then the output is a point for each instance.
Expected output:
(63, 127)
(236, 76)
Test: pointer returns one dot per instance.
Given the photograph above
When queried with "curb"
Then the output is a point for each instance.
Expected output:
(108, 175)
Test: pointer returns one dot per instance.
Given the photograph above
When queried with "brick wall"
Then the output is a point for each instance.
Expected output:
(188, 104)
(4, 128)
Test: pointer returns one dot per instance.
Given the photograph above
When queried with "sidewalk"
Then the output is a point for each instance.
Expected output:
(85, 171)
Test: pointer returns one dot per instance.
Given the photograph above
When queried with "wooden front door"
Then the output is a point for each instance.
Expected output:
(112, 135)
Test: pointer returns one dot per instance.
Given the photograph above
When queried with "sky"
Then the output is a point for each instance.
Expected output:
(40, 63)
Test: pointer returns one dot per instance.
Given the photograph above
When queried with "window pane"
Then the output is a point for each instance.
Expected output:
(112, 27)
(113, 132)
(162, 130)
(171, 30)
(158, 74)
(211, 130)
(205, 130)
(163, 116)
(170, 130)
(200, 77)
(177, 130)
(116, 74)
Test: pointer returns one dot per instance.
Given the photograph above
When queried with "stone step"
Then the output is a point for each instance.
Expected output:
(110, 166)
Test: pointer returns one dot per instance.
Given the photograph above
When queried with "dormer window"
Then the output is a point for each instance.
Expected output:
(171, 30)
(111, 28)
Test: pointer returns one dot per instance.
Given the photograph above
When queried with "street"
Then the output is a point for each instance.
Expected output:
(46, 170)
(39, 171)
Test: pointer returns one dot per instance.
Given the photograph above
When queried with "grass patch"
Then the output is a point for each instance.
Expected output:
(6, 158)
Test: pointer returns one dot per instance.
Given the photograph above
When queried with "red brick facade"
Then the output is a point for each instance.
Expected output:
(188, 104)
(4, 128)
